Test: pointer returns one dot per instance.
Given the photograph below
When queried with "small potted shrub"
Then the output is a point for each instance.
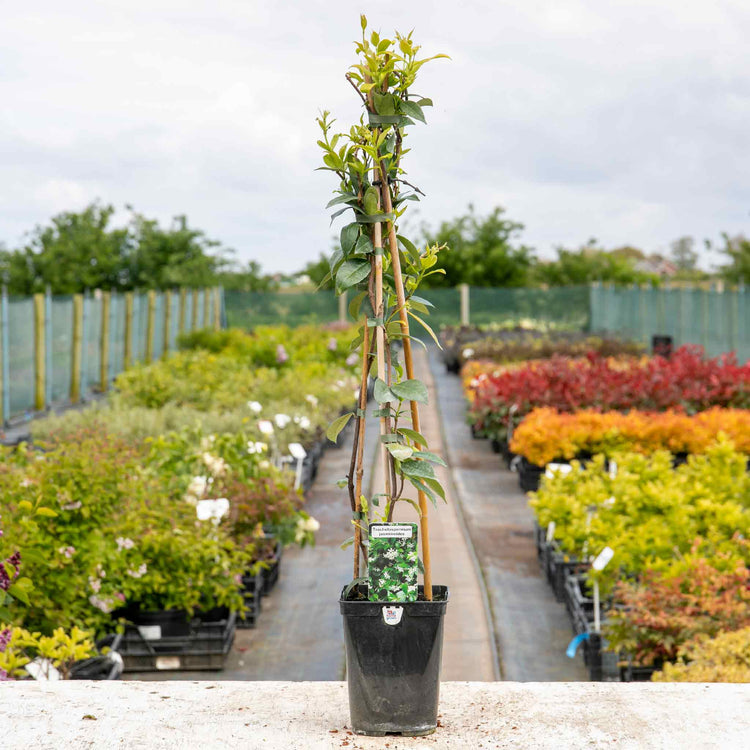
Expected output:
(393, 627)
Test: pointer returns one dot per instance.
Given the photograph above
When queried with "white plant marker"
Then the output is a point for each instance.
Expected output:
(601, 562)
(299, 454)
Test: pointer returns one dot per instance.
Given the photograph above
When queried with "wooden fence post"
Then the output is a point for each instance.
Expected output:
(150, 323)
(465, 312)
(48, 365)
(183, 306)
(39, 352)
(76, 349)
(4, 352)
(127, 359)
(167, 322)
(104, 343)
(207, 309)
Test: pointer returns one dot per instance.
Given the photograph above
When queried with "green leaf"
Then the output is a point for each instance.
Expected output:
(417, 437)
(410, 247)
(400, 451)
(363, 246)
(421, 300)
(416, 468)
(422, 487)
(20, 590)
(430, 456)
(411, 390)
(385, 104)
(435, 485)
(335, 215)
(412, 109)
(334, 429)
(382, 392)
(349, 235)
(345, 198)
(425, 102)
(426, 327)
(46, 512)
(356, 304)
(347, 543)
(351, 272)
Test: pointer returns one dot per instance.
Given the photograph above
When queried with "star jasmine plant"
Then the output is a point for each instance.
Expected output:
(382, 270)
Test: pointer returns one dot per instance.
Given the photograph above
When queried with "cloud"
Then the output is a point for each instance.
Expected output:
(625, 121)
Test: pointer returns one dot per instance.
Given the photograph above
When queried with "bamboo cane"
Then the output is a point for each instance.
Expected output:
(404, 320)
(360, 447)
(377, 243)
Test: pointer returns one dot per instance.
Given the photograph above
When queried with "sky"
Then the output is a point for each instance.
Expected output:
(627, 121)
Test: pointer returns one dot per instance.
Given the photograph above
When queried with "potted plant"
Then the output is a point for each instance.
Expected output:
(393, 627)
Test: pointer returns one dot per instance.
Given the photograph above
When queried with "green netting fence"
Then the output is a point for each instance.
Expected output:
(57, 350)
(715, 318)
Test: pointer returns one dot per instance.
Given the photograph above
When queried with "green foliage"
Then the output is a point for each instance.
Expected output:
(79, 251)
(699, 593)
(118, 534)
(723, 658)
(483, 251)
(737, 251)
(649, 512)
(588, 264)
(60, 649)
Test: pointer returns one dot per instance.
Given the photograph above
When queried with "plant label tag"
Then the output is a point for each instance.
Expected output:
(392, 531)
(392, 562)
(603, 558)
(561, 469)
(392, 615)
(612, 469)
(297, 451)
(167, 662)
(150, 632)
(550, 531)
(42, 669)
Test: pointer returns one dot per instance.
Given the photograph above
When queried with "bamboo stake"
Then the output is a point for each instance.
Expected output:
(377, 243)
(408, 362)
(362, 403)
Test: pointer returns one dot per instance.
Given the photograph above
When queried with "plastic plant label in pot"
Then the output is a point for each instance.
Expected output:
(392, 562)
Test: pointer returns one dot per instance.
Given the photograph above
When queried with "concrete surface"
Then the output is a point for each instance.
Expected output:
(314, 716)
(531, 629)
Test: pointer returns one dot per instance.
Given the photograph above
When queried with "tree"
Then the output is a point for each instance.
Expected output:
(588, 264)
(247, 279)
(76, 251)
(480, 251)
(683, 254)
(174, 257)
(79, 251)
(737, 249)
(318, 271)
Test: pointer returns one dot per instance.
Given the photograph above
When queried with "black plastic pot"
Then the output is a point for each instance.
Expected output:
(393, 670)
(529, 475)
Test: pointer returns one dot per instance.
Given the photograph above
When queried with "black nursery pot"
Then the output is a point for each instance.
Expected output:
(393, 670)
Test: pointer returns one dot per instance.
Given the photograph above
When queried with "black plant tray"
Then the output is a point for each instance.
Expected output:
(205, 646)
(252, 593)
(102, 666)
(270, 574)
(558, 567)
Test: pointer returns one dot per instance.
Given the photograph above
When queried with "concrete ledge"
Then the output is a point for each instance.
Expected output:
(311, 715)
